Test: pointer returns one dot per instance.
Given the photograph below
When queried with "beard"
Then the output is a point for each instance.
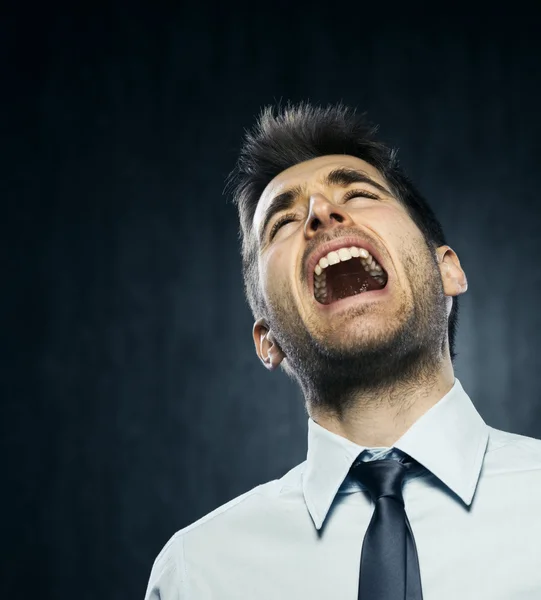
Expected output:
(334, 376)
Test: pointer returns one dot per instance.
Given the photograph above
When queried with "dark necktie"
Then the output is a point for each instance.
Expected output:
(389, 563)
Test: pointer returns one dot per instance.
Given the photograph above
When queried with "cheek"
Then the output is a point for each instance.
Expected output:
(275, 270)
(403, 240)
(390, 218)
(396, 228)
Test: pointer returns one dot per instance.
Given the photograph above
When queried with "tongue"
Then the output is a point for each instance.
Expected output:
(349, 284)
(348, 279)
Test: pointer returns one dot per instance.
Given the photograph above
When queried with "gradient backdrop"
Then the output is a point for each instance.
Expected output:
(135, 401)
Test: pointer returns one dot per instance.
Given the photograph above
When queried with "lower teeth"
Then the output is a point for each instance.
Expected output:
(321, 293)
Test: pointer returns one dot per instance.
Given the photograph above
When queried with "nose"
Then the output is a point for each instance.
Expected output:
(324, 215)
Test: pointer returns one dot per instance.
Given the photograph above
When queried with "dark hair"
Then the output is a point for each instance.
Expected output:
(301, 132)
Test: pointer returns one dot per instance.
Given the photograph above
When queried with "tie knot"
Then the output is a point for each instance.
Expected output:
(381, 478)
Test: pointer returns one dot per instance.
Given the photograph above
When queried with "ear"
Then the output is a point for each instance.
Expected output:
(452, 276)
(266, 347)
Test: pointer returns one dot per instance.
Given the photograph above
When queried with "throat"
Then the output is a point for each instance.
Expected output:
(348, 284)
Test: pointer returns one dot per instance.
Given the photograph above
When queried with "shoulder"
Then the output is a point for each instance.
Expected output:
(513, 451)
(244, 511)
(249, 505)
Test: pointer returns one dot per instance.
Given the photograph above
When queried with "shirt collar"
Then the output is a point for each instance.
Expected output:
(449, 440)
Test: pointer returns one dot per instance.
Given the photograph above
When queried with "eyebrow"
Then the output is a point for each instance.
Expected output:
(342, 177)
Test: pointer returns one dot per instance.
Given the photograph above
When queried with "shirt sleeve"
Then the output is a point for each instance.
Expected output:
(165, 582)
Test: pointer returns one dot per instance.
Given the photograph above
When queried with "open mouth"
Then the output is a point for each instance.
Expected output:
(347, 272)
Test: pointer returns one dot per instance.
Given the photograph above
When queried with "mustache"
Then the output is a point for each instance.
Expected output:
(335, 234)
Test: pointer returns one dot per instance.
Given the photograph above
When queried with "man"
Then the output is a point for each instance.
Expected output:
(405, 492)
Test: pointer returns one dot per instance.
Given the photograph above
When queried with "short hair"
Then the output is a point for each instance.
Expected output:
(285, 136)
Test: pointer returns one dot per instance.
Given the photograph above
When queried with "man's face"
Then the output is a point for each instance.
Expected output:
(358, 332)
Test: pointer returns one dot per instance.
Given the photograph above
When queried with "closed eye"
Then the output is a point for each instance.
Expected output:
(282, 221)
(360, 193)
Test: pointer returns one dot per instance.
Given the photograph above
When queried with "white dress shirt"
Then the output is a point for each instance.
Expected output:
(474, 505)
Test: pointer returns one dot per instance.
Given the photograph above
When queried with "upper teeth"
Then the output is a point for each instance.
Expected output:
(332, 258)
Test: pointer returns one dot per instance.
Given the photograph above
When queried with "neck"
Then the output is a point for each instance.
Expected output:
(379, 418)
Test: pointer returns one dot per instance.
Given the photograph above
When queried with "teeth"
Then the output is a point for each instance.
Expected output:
(333, 258)
(344, 254)
(367, 261)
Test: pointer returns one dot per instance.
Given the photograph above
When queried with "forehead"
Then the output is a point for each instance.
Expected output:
(307, 173)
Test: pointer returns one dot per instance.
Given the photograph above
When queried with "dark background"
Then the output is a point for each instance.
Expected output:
(134, 401)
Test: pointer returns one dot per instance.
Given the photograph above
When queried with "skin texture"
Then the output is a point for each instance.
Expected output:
(371, 369)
